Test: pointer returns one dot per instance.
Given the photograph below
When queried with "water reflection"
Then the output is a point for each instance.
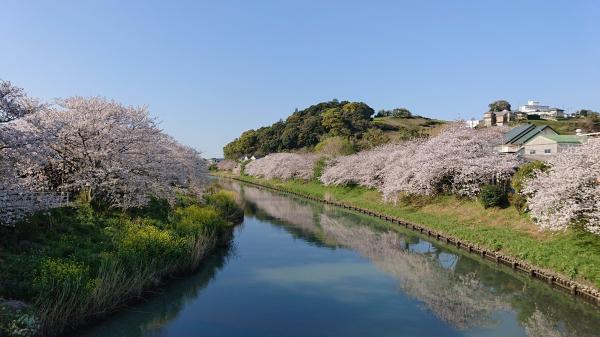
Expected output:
(466, 293)
(152, 316)
(302, 268)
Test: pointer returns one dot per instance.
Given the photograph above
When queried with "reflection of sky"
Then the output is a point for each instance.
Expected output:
(289, 288)
(448, 261)
(339, 281)
(445, 259)
(422, 247)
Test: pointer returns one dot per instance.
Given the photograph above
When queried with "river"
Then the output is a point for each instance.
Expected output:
(301, 268)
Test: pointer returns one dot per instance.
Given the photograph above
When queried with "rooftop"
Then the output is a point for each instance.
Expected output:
(566, 139)
(522, 133)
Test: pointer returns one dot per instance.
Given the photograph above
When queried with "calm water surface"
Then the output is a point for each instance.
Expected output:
(299, 268)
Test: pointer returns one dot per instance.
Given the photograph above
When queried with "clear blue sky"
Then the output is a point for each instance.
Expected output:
(212, 69)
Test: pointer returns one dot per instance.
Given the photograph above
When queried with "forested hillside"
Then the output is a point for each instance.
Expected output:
(340, 126)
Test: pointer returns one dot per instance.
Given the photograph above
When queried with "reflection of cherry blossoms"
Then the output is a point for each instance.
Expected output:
(460, 300)
(538, 325)
(283, 208)
(442, 281)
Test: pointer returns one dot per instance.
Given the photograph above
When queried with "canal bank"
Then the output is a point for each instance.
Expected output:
(586, 291)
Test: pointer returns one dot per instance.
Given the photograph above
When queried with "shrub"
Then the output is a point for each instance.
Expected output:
(493, 196)
(224, 203)
(17, 272)
(195, 220)
(372, 138)
(148, 244)
(335, 146)
(319, 168)
(63, 288)
(525, 172)
(158, 209)
(56, 274)
(518, 201)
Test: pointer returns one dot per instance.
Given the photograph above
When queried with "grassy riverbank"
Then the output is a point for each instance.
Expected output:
(574, 254)
(79, 263)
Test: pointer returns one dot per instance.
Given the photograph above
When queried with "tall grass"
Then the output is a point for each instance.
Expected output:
(91, 266)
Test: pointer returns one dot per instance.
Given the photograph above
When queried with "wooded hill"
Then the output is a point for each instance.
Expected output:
(348, 126)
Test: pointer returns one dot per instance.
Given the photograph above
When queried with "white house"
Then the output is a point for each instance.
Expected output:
(545, 111)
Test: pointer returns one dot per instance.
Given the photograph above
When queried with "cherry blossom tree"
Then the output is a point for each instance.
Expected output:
(18, 190)
(114, 153)
(103, 150)
(226, 165)
(14, 102)
(364, 168)
(569, 192)
(459, 160)
(283, 166)
(15, 132)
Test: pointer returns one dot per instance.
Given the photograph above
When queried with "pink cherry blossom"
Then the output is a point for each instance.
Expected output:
(283, 166)
(459, 160)
(569, 192)
(226, 165)
(116, 154)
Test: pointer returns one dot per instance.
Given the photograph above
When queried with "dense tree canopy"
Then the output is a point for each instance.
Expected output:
(459, 161)
(397, 112)
(116, 155)
(499, 105)
(586, 113)
(304, 129)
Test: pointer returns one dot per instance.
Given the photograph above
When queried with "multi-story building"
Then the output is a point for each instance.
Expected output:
(491, 118)
(544, 111)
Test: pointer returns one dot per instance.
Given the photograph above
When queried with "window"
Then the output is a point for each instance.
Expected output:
(531, 151)
(547, 151)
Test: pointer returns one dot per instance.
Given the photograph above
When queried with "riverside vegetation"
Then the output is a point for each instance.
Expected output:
(456, 183)
(79, 263)
(141, 210)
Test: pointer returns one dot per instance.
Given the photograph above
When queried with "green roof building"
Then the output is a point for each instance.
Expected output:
(515, 139)
(546, 145)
